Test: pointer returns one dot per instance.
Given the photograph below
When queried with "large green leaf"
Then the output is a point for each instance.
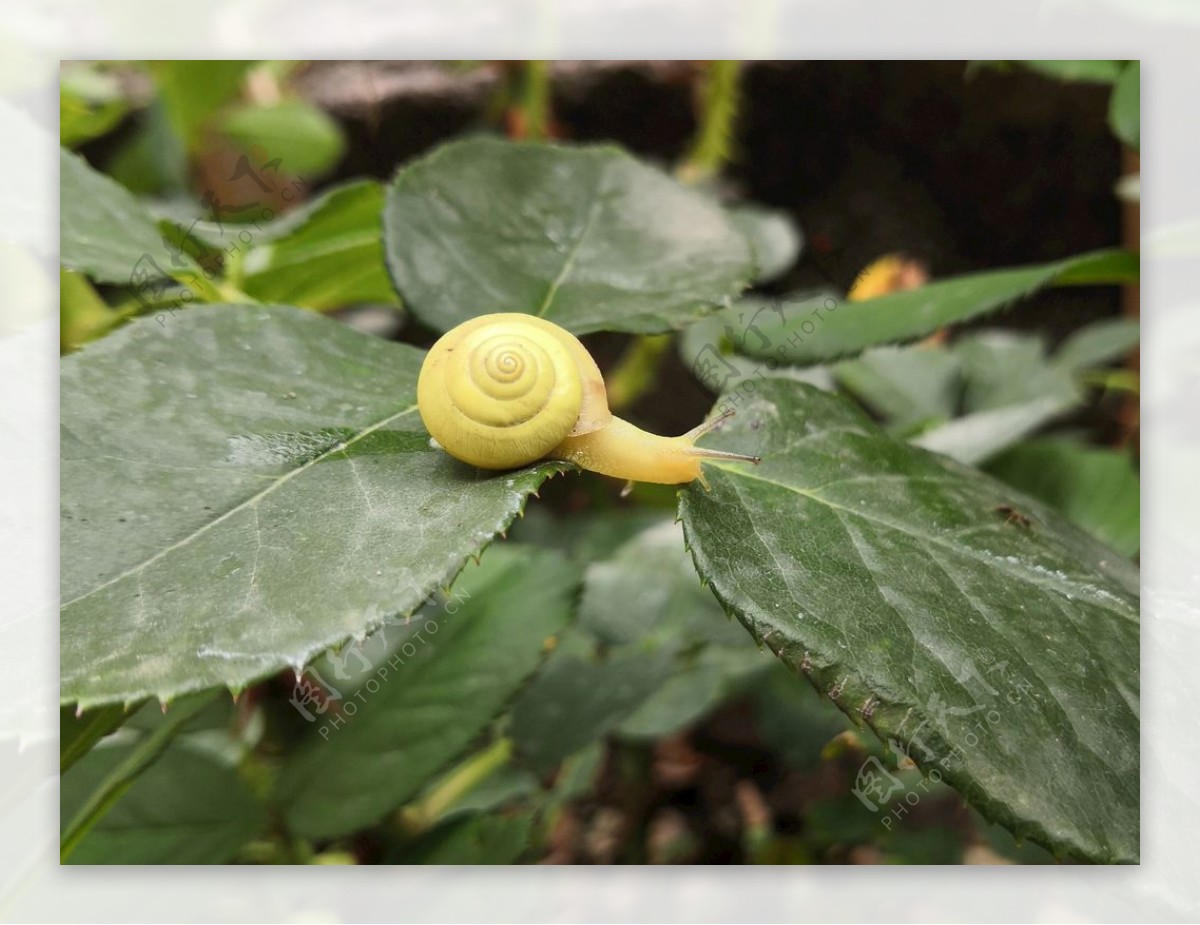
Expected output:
(1096, 488)
(455, 673)
(243, 487)
(185, 809)
(586, 237)
(325, 255)
(808, 336)
(962, 621)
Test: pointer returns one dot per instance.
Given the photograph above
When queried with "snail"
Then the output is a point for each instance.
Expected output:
(504, 390)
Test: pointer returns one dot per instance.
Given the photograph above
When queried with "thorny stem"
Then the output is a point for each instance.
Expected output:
(713, 146)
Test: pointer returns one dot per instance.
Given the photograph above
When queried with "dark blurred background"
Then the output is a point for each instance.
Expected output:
(949, 162)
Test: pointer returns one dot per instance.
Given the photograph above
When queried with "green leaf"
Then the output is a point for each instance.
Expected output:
(849, 327)
(711, 347)
(697, 686)
(431, 704)
(303, 138)
(1011, 390)
(906, 385)
(90, 103)
(82, 314)
(90, 792)
(577, 699)
(793, 720)
(193, 91)
(938, 844)
(1124, 109)
(576, 776)
(1002, 369)
(900, 583)
(773, 236)
(1000, 840)
(1098, 343)
(1113, 380)
(1095, 488)
(505, 785)
(583, 539)
(483, 781)
(671, 654)
(586, 237)
(243, 487)
(325, 255)
(976, 437)
(478, 839)
(78, 734)
(186, 809)
(648, 593)
(106, 234)
(151, 159)
(104, 231)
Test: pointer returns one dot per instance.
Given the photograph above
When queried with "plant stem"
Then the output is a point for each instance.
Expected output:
(635, 372)
(535, 102)
(455, 785)
(713, 146)
(113, 787)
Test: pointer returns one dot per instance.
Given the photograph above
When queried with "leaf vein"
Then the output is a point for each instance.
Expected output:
(573, 253)
(250, 502)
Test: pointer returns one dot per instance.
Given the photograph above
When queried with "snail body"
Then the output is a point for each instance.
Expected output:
(506, 390)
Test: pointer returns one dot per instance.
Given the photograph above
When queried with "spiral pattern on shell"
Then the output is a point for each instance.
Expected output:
(501, 391)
